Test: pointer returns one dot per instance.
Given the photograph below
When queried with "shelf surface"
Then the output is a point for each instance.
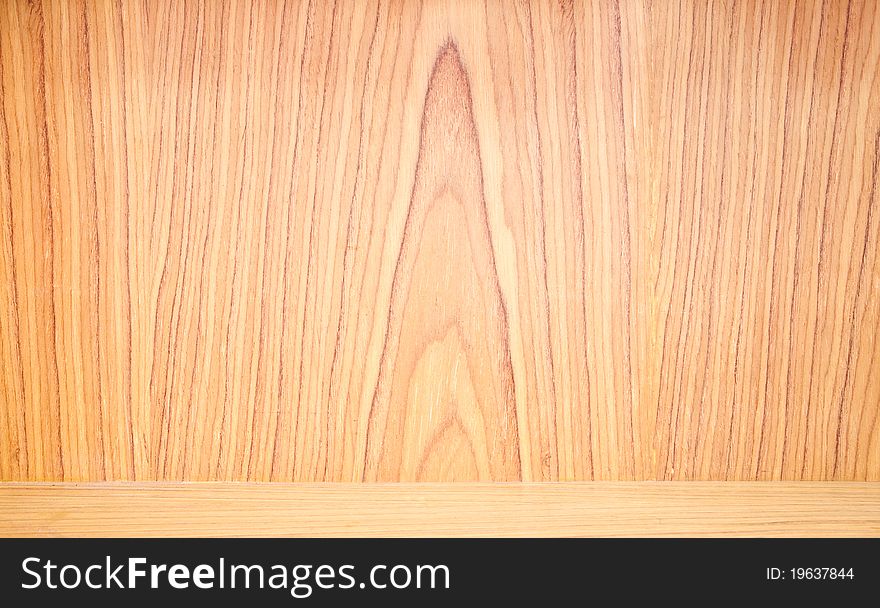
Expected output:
(590, 509)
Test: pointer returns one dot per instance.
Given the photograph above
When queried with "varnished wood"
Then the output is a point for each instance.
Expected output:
(439, 241)
(604, 509)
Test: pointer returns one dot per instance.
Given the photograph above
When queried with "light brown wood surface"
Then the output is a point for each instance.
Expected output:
(597, 509)
(440, 241)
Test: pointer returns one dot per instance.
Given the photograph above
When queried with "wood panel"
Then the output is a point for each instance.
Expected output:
(596, 509)
(439, 241)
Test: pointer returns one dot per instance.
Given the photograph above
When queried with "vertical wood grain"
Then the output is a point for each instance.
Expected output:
(71, 111)
(439, 241)
(768, 126)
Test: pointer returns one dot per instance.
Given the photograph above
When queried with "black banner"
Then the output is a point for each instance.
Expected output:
(319, 572)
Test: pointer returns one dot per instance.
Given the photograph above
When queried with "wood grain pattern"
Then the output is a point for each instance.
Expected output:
(439, 241)
(596, 509)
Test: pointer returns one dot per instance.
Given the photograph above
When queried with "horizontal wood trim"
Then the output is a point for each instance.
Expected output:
(597, 509)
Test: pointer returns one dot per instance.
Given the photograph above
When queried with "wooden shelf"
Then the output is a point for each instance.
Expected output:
(592, 509)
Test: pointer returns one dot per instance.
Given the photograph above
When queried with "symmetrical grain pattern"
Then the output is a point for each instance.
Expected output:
(599, 509)
(437, 241)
